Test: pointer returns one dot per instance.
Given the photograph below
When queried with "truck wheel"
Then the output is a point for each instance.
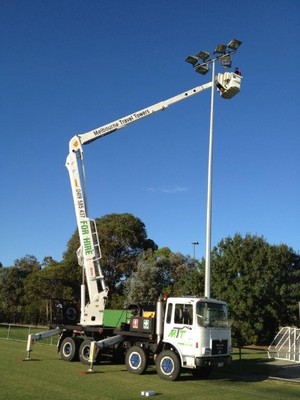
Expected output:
(69, 349)
(168, 365)
(84, 352)
(136, 360)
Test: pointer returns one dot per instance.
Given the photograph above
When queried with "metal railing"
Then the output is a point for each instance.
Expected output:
(21, 332)
(286, 345)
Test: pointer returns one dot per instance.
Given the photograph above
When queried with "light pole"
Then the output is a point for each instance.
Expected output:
(194, 252)
(224, 55)
(209, 186)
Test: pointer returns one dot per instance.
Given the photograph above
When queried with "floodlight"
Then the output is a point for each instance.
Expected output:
(221, 48)
(234, 44)
(202, 69)
(204, 55)
(192, 59)
(226, 61)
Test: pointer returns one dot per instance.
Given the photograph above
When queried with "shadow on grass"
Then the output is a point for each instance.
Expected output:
(238, 372)
(257, 370)
(250, 370)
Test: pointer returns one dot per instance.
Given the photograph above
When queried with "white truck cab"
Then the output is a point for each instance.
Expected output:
(200, 331)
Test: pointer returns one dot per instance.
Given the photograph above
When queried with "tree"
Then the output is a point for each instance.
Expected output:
(161, 272)
(260, 283)
(191, 282)
(52, 282)
(12, 287)
(123, 238)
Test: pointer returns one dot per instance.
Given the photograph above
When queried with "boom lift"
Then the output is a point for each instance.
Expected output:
(76, 337)
(89, 252)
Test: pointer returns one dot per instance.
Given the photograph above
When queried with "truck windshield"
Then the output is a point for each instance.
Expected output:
(212, 314)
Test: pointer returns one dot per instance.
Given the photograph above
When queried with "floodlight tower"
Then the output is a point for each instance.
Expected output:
(201, 63)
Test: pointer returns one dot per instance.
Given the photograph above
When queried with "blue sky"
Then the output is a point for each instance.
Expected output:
(70, 66)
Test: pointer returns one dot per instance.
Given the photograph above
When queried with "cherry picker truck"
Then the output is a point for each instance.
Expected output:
(180, 333)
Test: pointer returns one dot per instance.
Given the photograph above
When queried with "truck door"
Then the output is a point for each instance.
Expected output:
(178, 327)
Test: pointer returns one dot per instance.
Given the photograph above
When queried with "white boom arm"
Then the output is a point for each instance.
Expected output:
(137, 116)
(89, 253)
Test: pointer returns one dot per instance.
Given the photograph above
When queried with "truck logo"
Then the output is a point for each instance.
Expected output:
(178, 332)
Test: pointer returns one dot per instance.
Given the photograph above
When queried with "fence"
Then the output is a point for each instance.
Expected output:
(286, 345)
(21, 332)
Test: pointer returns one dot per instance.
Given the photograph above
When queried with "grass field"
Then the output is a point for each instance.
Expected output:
(47, 377)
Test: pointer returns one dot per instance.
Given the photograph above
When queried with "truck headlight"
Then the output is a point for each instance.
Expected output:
(206, 351)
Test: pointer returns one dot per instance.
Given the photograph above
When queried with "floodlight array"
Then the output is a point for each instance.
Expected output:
(202, 60)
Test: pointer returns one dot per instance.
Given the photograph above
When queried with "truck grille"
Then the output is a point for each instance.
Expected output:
(219, 347)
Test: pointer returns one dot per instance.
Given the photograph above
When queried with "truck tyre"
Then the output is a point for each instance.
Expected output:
(84, 351)
(168, 365)
(136, 360)
(69, 349)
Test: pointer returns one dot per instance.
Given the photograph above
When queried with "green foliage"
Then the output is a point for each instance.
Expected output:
(123, 238)
(190, 282)
(55, 281)
(260, 283)
(161, 272)
(12, 292)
